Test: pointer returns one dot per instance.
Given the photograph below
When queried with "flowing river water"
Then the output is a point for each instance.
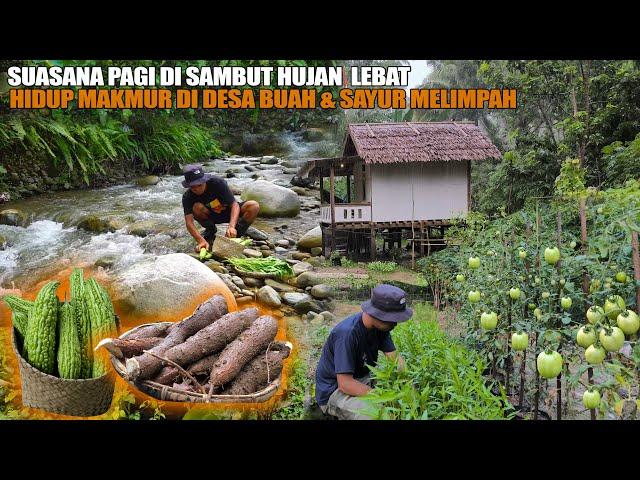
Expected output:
(52, 239)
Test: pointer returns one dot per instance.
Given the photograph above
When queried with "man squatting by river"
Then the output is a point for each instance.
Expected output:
(209, 200)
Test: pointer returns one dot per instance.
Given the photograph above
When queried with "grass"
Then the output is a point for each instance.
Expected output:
(382, 267)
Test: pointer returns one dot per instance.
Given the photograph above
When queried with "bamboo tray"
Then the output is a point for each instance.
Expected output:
(166, 393)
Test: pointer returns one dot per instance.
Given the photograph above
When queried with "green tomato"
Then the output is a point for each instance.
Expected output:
(600, 210)
(594, 286)
(628, 322)
(566, 303)
(573, 244)
(551, 255)
(474, 296)
(474, 262)
(519, 341)
(586, 336)
(537, 280)
(594, 355)
(621, 277)
(532, 306)
(545, 295)
(562, 281)
(537, 313)
(514, 293)
(522, 254)
(613, 306)
(607, 285)
(591, 399)
(488, 321)
(549, 364)
(553, 283)
(612, 341)
(460, 277)
(595, 314)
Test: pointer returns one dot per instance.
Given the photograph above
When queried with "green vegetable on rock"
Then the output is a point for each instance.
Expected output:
(269, 265)
(40, 340)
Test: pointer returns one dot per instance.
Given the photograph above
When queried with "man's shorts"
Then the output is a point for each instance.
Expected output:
(210, 225)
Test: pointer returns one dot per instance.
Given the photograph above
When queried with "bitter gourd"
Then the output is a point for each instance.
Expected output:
(103, 322)
(20, 312)
(69, 358)
(40, 340)
(83, 322)
(18, 304)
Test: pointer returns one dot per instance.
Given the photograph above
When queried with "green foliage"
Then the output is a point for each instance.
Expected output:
(442, 378)
(297, 384)
(621, 161)
(382, 267)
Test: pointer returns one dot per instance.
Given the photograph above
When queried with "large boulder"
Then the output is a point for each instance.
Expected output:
(167, 287)
(299, 181)
(301, 267)
(321, 291)
(96, 224)
(16, 218)
(311, 239)
(275, 201)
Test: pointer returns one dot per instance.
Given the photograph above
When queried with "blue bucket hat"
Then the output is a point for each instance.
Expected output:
(388, 303)
(194, 175)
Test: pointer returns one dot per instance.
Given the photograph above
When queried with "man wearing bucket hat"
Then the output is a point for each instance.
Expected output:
(342, 374)
(209, 200)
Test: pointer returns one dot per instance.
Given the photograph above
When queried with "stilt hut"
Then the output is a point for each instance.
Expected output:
(401, 179)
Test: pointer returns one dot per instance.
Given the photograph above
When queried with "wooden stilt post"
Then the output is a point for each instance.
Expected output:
(373, 242)
(348, 188)
(421, 238)
(332, 201)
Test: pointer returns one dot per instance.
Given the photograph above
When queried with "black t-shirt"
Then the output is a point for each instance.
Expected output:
(218, 198)
(349, 348)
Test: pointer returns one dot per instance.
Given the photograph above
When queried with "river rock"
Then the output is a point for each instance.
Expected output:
(269, 160)
(313, 238)
(249, 168)
(266, 253)
(165, 286)
(224, 248)
(307, 305)
(291, 261)
(264, 247)
(328, 316)
(321, 291)
(293, 298)
(300, 255)
(316, 251)
(269, 297)
(275, 201)
(279, 286)
(148, 180)
(3, 242)
(290, 171)
(14, 217)
(250, 252)
(253, 282)
(243, 300)
(96, 224)
(106, 261)
(281, 250)
(238, 282)
(288, 164)
(256, 234)
(300, 190)
(144, 228)
(308, 279)
(298, 181)
(217, 268)
(301, 267)
(282, 243)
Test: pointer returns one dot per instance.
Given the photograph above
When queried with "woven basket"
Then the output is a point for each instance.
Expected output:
(79, 398)
(166, 393)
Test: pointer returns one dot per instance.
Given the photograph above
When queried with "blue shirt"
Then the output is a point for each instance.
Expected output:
(348, 349)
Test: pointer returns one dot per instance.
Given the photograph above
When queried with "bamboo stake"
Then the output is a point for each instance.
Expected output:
(558, 269)
(535, 351)
(585, 277)
(636, 266)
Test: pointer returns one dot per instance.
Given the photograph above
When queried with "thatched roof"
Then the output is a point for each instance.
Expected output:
(418, 142)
